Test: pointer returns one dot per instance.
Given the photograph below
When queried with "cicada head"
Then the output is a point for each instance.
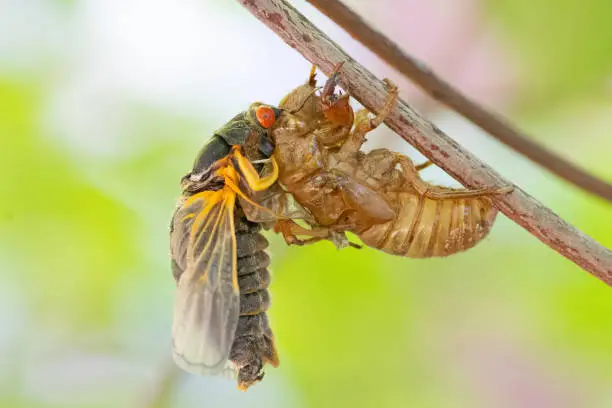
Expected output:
(258, 144)
(250, 127)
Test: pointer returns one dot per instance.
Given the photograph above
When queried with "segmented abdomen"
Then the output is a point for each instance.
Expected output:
(253, 342)
(425, 227)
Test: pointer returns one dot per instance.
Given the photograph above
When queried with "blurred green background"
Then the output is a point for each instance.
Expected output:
(103, 107)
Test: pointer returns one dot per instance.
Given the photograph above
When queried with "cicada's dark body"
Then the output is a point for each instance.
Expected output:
(218, 260)
(253, 342)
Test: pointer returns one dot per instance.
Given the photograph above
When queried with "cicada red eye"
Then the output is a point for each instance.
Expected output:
(265, 116)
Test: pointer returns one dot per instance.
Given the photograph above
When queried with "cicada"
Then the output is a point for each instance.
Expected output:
(379, 196)
(218, 256)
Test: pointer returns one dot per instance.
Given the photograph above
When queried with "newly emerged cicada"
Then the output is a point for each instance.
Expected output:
(379, 196)
(270, 166)
(218, 260)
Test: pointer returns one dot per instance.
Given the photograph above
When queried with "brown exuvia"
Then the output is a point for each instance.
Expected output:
(379, 196)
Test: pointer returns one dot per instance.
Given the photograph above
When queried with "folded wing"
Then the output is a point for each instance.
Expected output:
(203, 247)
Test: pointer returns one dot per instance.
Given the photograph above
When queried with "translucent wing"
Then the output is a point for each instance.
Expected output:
(203, 249)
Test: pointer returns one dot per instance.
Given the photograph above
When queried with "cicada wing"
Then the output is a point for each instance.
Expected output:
(207, 305)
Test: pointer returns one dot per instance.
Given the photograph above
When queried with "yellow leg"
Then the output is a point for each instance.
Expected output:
(423, 166)
(254, 181)
(312, 81)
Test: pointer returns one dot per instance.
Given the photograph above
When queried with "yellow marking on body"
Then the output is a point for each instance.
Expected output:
(202, 195)
(203, 217)
(188, 216)
(231, 181)
(214, 225)
(234, 249)
(267, 181)
(204, 212)
(209, 242)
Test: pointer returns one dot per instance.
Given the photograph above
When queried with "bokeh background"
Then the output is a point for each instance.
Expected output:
(103, 107)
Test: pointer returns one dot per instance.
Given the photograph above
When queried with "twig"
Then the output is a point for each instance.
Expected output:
(519, 206)
(443, 92)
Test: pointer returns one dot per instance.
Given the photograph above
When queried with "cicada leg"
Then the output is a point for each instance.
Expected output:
(312, 77)
(290, 230)
(268, 206)
(327, 94)
(335, 234)
(423, 166)
(439, 193)
(253, 179)
(365, 124)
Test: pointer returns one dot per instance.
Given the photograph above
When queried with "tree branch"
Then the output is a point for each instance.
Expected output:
(443, 92)
(519, 206)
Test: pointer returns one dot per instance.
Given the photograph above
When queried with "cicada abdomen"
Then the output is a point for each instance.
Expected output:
(424, 227)
(253, 345)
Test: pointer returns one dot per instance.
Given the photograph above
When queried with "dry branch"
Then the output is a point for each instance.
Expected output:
(443, 92)
(519, 206)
